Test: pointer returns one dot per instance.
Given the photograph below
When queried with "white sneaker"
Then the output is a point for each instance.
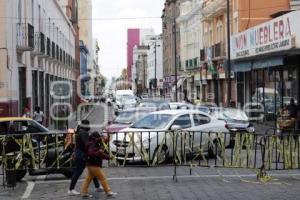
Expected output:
(111, 194)
(86, 195)
(73, 192)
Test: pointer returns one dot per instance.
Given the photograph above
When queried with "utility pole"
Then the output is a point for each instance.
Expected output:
(155, 81)
(175, 52)
(228, 55)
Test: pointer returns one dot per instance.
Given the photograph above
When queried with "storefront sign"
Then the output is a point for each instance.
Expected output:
(272, 36)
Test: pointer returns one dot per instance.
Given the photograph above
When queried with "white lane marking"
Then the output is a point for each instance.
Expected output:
(29, 188)
(171, 177)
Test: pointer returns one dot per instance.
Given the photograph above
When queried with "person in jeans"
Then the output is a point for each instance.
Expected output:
(94, 163)
(81, 139)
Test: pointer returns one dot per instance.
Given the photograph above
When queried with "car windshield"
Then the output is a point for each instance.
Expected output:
(129, 117)
(153, 104)
(230, 114)
(153, 121)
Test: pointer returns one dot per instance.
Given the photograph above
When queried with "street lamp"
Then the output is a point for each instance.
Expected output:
(175, 52)
(228, 55)
(155, 63)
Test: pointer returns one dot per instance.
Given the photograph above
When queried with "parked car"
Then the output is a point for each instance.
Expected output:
(17, 127)
(158, 104)
(150, 131)
(236, 119)
(181, 105)
(126, 117)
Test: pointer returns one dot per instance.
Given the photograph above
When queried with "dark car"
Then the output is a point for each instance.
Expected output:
(33, 148)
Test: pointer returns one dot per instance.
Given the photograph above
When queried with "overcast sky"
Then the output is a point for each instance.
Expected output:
(111, 30)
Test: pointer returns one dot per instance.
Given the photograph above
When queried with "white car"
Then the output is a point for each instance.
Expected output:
(181, 105)
(152, 138)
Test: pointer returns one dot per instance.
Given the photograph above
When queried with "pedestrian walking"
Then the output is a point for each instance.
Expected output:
(96, 154)
(38, 115)
(79, 156)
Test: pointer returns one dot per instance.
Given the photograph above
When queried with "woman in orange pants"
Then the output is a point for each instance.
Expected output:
(94, 162)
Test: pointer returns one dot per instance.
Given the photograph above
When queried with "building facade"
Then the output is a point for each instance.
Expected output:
(155, 66)
(139, 69)
(267, 63)
(135, 37)
(190, 44)
(171, 44)
(36, 50)
(85, 10)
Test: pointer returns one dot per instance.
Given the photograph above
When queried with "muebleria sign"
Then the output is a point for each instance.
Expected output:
(278, 34)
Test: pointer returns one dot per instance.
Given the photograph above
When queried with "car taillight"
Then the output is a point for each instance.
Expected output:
(226, 126)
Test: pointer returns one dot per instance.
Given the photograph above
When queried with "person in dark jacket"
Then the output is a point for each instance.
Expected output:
(81, 140)
(96, 154)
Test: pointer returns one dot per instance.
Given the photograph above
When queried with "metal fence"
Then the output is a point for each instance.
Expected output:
(52, 152)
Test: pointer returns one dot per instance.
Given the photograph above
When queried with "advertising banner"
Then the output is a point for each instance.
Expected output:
(281, 33)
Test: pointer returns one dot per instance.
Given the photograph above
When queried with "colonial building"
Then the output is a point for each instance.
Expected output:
(155, 66)
(37, 48)
(190, 44)
(171, 44)
(139, 69)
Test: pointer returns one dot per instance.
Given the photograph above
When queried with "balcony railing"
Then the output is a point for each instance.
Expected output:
(39, 44)
(25, 37)
(219, 50)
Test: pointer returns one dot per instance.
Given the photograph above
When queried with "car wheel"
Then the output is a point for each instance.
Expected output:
(20, 174)
(215, 149)
(162, 156)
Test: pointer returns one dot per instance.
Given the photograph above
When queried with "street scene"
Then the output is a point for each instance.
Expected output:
(161, 99)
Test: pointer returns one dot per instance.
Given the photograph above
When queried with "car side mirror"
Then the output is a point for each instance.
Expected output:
(175, 127)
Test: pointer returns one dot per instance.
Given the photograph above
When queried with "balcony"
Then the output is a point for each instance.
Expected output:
(215, 52)
(213, 8)
(25, 37)
(219, 50)
(39, 44)
(192, 64)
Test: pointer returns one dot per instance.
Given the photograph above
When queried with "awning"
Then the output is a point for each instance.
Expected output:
(257, 64)
(268, 62)
(241, 66)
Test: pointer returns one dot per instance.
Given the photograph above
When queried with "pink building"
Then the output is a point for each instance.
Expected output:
(135, 37)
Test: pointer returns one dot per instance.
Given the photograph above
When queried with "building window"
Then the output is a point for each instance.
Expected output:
(219, 30)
